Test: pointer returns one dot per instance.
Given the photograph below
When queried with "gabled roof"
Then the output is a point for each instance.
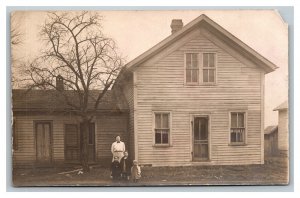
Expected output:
(270, 129)
(216, 29)
(52, 100)
(282, 106)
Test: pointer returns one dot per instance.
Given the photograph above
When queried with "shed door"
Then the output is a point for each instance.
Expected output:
(72, 143)
(43, 142)
(91, 141)
(200, 139)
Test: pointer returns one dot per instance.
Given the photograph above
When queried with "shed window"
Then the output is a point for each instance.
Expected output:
(162, 128)
(192, 68)
(237, 128)
(209, 68)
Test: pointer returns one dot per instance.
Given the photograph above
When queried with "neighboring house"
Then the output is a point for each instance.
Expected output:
(283, 128)
(46, 132)
(197, 97)
(271, 141)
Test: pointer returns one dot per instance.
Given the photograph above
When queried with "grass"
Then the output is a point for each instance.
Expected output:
(274, 171)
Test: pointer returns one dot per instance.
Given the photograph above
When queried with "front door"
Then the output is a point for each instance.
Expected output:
(200, 139)
(43, 142)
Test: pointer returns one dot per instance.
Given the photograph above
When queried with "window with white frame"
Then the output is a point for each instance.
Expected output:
(162, 128)
(209, 67)
(237, 127)
(192, 68)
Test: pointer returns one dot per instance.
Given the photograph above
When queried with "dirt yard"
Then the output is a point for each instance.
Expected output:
(274, 171)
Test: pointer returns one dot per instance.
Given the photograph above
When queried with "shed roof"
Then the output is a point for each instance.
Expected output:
(270, 129)
(52, 100)
(282, 106)
(215, 29)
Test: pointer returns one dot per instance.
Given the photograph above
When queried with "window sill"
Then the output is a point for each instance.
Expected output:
(161, 145)
(237, 144)
(201, 85)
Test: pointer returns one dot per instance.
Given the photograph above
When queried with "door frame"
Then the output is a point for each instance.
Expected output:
(192, 117)
(65, 147)
(35, 122)
(95, 140)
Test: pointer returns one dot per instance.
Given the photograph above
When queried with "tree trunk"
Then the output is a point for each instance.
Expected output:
(84, 145)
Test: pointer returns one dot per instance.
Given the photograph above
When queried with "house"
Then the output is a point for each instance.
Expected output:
(283, 128)
(47, 132)
(271, 141)
(197, 97)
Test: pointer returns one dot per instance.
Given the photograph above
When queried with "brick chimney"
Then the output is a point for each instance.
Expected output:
(176, 25)
(59, 83)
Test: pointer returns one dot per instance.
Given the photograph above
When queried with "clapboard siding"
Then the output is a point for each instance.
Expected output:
(283, 138)
(107, 127)
(128, 91)
(25, 129)
(160, 87)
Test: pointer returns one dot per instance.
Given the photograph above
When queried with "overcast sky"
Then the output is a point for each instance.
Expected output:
(137, 31)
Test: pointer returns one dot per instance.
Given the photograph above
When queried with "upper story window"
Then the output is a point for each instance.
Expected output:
(200, 68)
(192, 68)
(237, 127)
(209, 67)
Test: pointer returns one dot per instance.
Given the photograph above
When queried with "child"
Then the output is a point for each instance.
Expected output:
(115, 169)
(125, 166)
(135, 171)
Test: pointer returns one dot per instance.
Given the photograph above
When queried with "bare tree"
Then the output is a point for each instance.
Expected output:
(76, 51)
(16, 39)
(15, 32)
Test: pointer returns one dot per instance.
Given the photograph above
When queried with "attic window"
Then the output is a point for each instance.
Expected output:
(209, 67)
(200, 68)
(192, 68)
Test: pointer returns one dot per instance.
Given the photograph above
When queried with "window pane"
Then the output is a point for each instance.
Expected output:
(233, 120)
(188, 75)
(241, 120)
(203, 132)
(197, 129)
(239, 136)
(157, 137)
(165, 137)
(205, 75)
(232, 137)
(211, 75)
(204, 151)
(211, 60)
(188, 60)
(194, 75)
(205, 60)
(158, 121)
(165, 119)
(194, 61)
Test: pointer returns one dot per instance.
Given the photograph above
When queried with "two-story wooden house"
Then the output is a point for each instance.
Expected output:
(197, 97)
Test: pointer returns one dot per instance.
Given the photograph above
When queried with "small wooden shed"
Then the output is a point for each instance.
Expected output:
(271, 141)
(47, 133)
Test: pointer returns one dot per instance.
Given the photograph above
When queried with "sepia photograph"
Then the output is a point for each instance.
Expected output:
(149, 98)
